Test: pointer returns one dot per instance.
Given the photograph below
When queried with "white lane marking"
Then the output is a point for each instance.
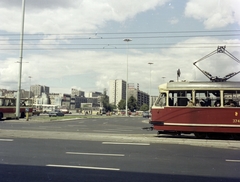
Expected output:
(83, 167)
(229, 160)
(6, 140)
(117, 143)
(80, 153)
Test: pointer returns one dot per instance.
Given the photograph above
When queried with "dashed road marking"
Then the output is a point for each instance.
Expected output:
(118, 143)
(230, 160)
(6, 140)
(96, 154)
(83, 167)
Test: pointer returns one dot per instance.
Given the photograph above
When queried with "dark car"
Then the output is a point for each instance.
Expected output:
(146, 114)
(35, 112)
(55, 113)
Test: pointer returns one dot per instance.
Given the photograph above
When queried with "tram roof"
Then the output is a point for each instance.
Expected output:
(201, 85)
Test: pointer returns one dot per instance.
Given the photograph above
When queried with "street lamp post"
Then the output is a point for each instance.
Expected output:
(127, 40)
(20, 62)
(29, 86)
(150, 99)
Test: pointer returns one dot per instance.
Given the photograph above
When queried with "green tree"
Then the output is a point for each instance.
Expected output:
(132, 104)
(122, 104)
(105, 102)
(112, 107)
(144, 107)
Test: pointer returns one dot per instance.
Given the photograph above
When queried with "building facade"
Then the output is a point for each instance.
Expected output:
(140, 96)
(76, 92)
(13, 93)
(117, 91)
(93, 94)
(37, 90)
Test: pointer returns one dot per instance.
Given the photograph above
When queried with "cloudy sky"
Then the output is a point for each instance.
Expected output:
(79, 43)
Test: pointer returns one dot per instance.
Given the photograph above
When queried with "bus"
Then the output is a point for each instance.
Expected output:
(205, 109)
(8, 107)
(44, 108)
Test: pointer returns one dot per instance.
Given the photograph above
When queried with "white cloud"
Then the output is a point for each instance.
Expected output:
(174, 20)
(101, 66)
(74, 16)
(214, 13)
(81, 68)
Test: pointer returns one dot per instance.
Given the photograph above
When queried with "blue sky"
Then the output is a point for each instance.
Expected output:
(79, 43)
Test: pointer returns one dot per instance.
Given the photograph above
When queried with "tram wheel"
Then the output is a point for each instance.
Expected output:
(200, 135)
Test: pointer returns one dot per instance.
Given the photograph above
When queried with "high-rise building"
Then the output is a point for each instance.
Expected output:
(37, 90)
(76, 92)
(117, 91)
(140, 96)
(93, 94)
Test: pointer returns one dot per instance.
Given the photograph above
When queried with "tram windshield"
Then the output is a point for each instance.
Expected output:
(161, 100)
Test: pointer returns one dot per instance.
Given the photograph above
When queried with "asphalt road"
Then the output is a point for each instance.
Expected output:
(110, 149)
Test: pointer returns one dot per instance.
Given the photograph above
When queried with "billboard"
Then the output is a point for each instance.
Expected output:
(86, 106)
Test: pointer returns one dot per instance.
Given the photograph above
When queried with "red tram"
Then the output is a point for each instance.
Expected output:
(209, 108)
(202, 108)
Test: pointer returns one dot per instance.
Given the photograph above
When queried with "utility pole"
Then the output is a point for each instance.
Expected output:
(20, 62)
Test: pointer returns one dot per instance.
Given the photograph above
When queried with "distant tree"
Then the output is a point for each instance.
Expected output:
(144, 107)
(105, 102)
(112, 107)
(132, 104)
(122, 104)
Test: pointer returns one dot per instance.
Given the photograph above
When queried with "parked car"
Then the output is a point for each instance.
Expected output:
(55, 113)
(65, 111)
(146, 114)
(35, 112)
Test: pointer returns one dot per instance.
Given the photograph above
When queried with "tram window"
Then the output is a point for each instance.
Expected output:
(208, 98)
(161, 101)
(231, 98)
(2, 102)
(181, 98)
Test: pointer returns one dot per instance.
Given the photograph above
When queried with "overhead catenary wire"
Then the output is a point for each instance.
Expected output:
(133, 37)
(78, 41)
(119, 33)
(147, 44)
(99, 48)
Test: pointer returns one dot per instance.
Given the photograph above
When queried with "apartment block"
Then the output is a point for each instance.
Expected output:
(117, 91)
(140, 96)
(37, 90)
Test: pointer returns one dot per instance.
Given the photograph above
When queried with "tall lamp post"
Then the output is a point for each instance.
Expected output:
(20, 62)
(150, 99)
(127, 40)
(29, 86)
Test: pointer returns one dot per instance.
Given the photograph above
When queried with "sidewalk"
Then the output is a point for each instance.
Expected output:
(45, 118)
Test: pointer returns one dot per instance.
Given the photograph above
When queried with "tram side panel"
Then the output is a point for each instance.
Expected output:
(196, 119)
